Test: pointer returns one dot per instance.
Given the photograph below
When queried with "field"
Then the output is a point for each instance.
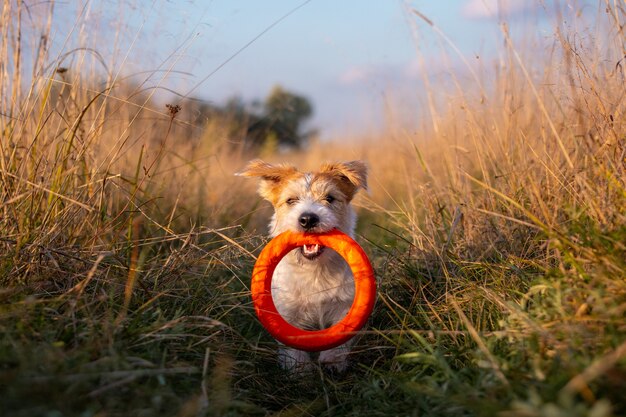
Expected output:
(497, 229)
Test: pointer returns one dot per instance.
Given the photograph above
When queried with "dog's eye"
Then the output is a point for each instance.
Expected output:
(291, 201)
(329, 199)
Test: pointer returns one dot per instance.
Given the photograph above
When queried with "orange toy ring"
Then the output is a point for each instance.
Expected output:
(317, 340)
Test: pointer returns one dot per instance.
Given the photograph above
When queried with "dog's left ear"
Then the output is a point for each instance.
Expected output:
(351, 174)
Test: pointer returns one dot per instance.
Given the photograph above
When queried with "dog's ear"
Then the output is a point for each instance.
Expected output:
(352, 175)
(267, 172)
(272, 177)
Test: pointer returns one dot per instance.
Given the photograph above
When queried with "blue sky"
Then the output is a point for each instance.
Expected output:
(349, 57)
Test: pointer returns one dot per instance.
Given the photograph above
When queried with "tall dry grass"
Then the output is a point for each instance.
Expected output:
(86, 153)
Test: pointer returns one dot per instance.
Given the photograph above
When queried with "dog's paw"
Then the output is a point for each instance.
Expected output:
(294, 361)
(335, 360)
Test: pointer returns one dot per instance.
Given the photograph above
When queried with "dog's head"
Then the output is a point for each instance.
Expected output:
(310, 201)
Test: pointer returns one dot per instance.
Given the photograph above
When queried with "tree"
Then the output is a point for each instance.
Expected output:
(264, 126)
(282, 120)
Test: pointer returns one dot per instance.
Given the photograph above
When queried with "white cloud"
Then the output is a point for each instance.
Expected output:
(374, 75)
(477, 9)
(355, 75)
(401, 74)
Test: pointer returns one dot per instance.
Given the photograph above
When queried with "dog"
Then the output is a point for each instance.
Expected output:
(312, 286)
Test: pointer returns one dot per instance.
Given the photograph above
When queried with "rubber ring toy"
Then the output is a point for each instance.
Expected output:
(316, 340)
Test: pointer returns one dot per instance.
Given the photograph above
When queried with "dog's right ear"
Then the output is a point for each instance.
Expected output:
(272, 177)
(267, 172)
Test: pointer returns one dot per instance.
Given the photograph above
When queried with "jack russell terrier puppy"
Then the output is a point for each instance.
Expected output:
(312, 286)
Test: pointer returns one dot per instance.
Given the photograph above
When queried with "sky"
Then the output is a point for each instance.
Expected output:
(352, 58)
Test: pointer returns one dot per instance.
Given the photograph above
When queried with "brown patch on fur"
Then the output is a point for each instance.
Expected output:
(349, 176)
(273, 177)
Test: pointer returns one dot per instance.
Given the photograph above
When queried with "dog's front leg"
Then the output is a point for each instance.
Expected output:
(336, 359)
(293, 360)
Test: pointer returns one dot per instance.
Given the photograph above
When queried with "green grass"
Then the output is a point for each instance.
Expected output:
(499, 245)
(448, 337)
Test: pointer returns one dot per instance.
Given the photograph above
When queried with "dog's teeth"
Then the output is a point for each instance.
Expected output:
(311, 248)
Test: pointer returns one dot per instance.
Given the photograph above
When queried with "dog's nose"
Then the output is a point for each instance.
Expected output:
(309, 220)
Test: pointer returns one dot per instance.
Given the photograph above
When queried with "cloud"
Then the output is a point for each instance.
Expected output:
(481, 9)
(379, 74)
(398, 75)
(355, 75)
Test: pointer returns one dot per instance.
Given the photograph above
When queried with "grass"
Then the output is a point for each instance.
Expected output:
(499, 242)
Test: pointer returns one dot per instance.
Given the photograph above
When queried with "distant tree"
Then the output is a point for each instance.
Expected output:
(283, 115)
(268, 125)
